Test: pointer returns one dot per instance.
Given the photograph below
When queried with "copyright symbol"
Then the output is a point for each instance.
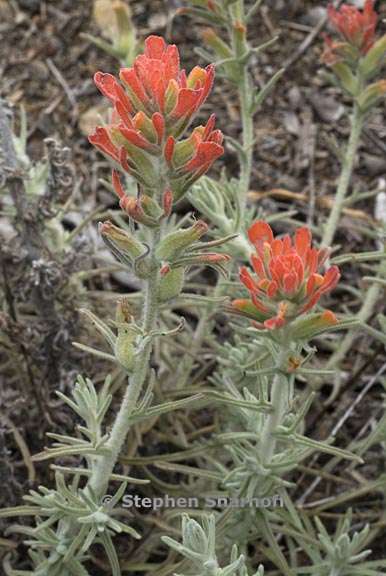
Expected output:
(106, 500)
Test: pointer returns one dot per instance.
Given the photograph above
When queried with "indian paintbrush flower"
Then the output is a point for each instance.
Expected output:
(286, 282)
(122, 240)
(153, 106)
(356, 27)
(142, 209)
(180, 250)
(175, 243)
(359, 43)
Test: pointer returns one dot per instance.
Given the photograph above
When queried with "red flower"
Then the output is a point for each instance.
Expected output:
(286, 282)
(156, 108)
(191, 158)
(356, 27)
(101, 139)
(156, 83)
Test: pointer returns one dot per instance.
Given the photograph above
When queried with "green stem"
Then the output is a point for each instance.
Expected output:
(247, 136)
(357, 119)
(105, 465)
(372, 296)
(363, 315)
(279, 395)
(240, 48)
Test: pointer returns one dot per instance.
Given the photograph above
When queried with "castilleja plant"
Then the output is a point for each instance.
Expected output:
(356, 59)
(284, 289)
(153, 105)
(264, 420)
(149, 140)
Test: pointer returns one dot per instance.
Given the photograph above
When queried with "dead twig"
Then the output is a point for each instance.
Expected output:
(24, 450)
(64, 84)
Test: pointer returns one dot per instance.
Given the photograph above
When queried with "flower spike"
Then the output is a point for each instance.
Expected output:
(153, 108)
(358, 39)
(356, 27)
(286, 282)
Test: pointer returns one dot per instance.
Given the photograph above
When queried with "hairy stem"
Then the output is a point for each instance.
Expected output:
(279, 395)
(363, 315)
(369, 303)
(245, 91)
(105, 465)
(345, 176)
(240, 49)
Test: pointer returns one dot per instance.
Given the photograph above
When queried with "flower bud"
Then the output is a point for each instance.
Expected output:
(171, 284)
(141, 163)
(113, 17)
(126, 41)
(124, 348)
(373, 60)
(167, 202)
(240, 34)
(123, 311)
(139, 209)
(218, 45)
(122, 240)
(244, 307)
(371, 95)
(173, 244)
(312, 325)
(143, 209)
(223, 52)
(347, 79)
(150, 207)
(293, 363)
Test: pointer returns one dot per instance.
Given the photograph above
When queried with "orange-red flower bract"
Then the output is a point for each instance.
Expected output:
(286, 282)
(153, 107)
(356, 27)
